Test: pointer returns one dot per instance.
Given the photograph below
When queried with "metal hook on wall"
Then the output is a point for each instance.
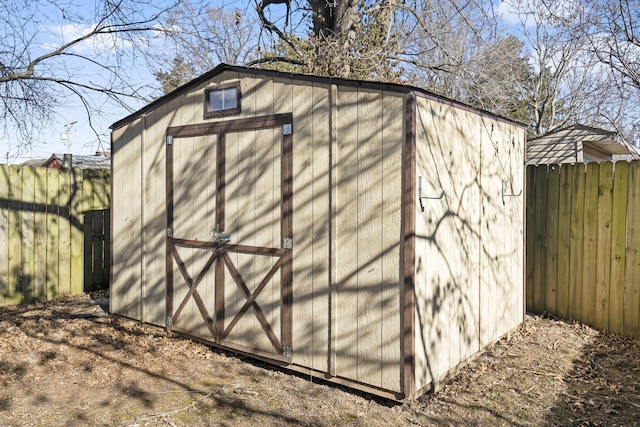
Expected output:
(420, 196)
(508, 195)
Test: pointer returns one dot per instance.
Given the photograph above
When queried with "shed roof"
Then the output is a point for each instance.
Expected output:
(97, 161)
(376, 85)
(608, 142)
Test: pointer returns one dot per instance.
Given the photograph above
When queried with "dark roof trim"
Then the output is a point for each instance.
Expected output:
(395, 87)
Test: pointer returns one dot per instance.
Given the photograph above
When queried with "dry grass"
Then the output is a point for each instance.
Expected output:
(67, 362)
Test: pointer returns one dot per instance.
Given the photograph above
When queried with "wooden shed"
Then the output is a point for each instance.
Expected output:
(367, 233)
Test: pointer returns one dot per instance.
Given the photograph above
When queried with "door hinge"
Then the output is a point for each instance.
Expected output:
(287, 129)
(169, 139)
(287, 351)
(169, 323)
(287, 243)
(169, 232)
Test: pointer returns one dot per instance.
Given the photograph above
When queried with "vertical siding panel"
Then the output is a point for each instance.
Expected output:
(185, 224)
(204, 168)
(577, 239)
(283, 98)
(424, 333)
(320, 246)
(65, 226)
(248, 327)
(491, 175)
(532, 202)
(514, 146)
(631, 297)
(5, 185)
(347, 232)
(603, 259)
(618, 245)
(250, 98)
(210, 157)
(240, 223)
(127, 221)
(303, 270)
(333, 229)
(589, 274)
(369, 242)
(117, 291)
(392, 134)
(231, 207)
(540, 238)
(564, 240)
(268, 211)
(549, 271)
(153, 287)
(28, 238)
(41, 233)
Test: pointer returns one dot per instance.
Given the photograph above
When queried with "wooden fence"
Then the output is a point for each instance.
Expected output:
(583, 243)
(50, 234)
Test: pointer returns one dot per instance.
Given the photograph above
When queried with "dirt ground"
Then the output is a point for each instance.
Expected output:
(67, 362)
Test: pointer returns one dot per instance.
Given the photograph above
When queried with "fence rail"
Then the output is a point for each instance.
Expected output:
(583, 243)
(43, 214)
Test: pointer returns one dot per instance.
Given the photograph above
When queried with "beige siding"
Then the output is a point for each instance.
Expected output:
(127, 225)
(311, 144)
(502, 246)
(347, 225)
(592, 154)
(155, 218)
(367, 233)
(469, 245)
(552, 151)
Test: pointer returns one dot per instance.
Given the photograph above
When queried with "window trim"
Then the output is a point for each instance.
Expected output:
(227, 112)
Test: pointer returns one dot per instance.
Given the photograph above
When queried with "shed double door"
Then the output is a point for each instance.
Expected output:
(229, 246)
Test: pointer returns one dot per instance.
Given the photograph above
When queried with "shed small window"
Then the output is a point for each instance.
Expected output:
(222, 100)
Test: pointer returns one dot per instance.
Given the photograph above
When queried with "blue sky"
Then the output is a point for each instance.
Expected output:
(51, 29)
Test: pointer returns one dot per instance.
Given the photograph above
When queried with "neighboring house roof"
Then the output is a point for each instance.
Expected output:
(576, 144)
(97, 161)
(395, 87)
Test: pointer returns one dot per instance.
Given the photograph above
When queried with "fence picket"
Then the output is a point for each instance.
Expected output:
(41, 232)
(13, 294)
(530, 236)
(584, 248)
(551, 239)
(618, 237)
(4, 228)
(589, 274)
(77, 232)
(28, 222)
(631, 296)
(54, 287)
(603, 258)
(539, 238)
(564, 240)
(576, 239)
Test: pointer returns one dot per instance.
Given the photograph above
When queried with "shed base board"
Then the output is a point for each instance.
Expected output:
(311, 374)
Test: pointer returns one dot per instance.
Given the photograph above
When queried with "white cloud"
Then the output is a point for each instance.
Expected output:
(96, 44)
